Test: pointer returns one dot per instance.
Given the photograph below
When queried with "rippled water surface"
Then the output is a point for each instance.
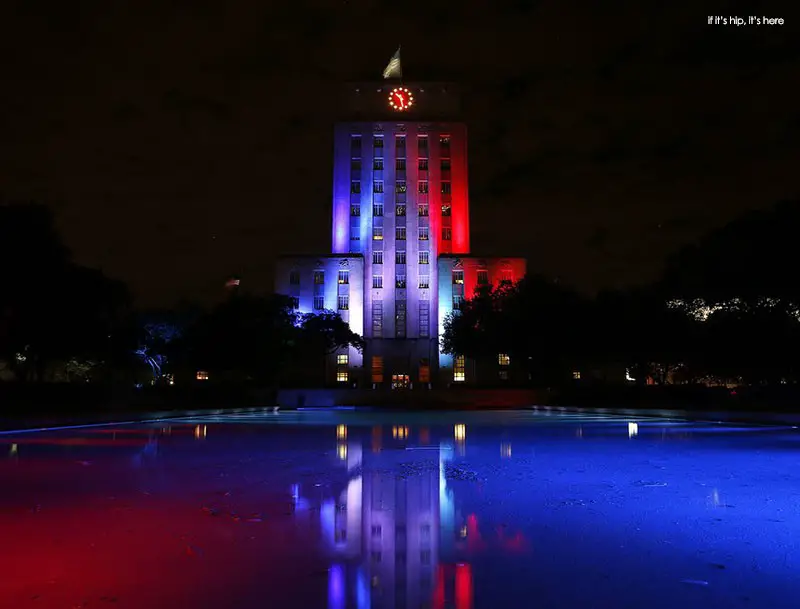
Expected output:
(345, 509)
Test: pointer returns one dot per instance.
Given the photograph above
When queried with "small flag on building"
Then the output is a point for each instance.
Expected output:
(393, 68)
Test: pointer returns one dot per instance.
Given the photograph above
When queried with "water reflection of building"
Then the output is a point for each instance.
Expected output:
(392, 531)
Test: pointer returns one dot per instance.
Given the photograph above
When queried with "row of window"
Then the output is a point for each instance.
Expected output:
(400, 281)
(400, 320)
(445, 165)
(400, 186)
(400, 233)
(399, 258)
(400, 143)
(399, 210)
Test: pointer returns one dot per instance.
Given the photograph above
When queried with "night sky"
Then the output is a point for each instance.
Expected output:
(183, 141)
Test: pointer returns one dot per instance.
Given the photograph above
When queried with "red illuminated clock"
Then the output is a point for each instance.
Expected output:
(401, 99)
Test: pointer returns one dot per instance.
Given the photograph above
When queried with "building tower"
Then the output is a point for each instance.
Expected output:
(400, 259)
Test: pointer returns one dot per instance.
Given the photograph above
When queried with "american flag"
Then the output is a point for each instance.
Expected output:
(393, 69)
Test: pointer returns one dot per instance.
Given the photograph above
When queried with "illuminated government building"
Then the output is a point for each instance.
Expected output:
(400, 258)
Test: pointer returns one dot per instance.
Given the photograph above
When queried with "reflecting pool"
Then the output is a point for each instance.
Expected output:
(326, 509)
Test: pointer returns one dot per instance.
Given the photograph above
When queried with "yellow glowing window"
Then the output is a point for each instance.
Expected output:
(576, 374)
(459, 373)
(202, 375)
(503, 359)
(424, 371)
(342, 376)
(377, 233)
(342, 359)
(377, 369)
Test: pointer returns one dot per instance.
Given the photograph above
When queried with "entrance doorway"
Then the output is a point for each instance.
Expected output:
(400, 381)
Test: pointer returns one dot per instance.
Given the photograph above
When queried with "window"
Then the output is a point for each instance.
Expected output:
(377, 141)
(424, 257)
(355, 186)
(424, 370)
(400, 144)
(458, 276)
(377, 320)
(355, 210)
(506, 276)
(319, 277)
(447, 233)
(445, 165)
(400, 186)
(483, 277)
(459, 374)
(343, 303)
(400, 233)
(446, 188)
(342, 359)
(319, 303)
(377, 164)
(377, 281)
(400, 281)
(400, 210)
(503, 359)
(458, 301)
(202, 375)
(355, 165)
(377, 209)
(295, 302)
(377, 186)
(400, 164)
(444, 145)
(422, 187)
(355, 145)
(294, 277)
(344, 277)
(376, 530)
(400, 319)
(354, 236)
(377, 369)
(424, 325)
(377, 257)
(377, 233)
(446, 210)
(576, 374)
(400, 258)
(424, 282)
(422, 145)
(341, 376)
(423, 233)
(423, 165)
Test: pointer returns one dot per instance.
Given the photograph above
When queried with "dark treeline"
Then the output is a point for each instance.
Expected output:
(726, 311)
(61, 322)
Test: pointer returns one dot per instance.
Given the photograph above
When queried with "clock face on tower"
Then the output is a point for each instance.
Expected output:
(400, 99)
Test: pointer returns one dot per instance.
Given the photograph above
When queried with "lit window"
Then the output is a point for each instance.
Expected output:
(355, 187)
(400, 233)
(400, 281)
(355, 210)
(503, 359)
(576, 374)
(377, 233)
(424, 371)
(423, 233)
(423, 165)
(422, 209)
(458, 302)
(377, 164)
(319, 277)
(377, 281)
(342, 359)
(400, 165)
(446, 189)
(377, 369)
(319, 303)
(343, 302)
(459, 365)
(342, 376)
(400, 210)
(424, 257)
(202, 375)
(377, 186)
(400, 186)
(423, 187)
(458, 276)
(446, 210)
(400, 258)
(377, 209)
(483, 277)
(447, 233)
(424, 282)
(294, 277)
(344, 276)
(377, 257)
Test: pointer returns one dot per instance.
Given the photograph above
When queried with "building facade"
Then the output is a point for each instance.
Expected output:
(400, 260)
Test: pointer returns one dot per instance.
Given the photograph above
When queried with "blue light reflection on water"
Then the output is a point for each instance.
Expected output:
(461, 510)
